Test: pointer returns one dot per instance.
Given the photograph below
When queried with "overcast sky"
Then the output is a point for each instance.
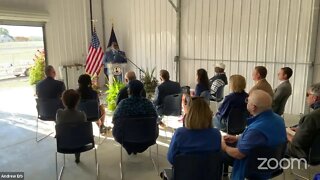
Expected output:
(25, 31)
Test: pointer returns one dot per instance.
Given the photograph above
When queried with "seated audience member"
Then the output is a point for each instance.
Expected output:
(236, 99)
(87, 93)
(166, 88)
(218, 81)
(134, 106)
(264, 129)
(123, 93)
(309, 126)
(202, 82)
(70, 100)
(259, 75)
(197, 136)
(283, 91)
(49, 87)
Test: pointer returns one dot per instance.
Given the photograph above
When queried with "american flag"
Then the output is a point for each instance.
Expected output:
(94, 59)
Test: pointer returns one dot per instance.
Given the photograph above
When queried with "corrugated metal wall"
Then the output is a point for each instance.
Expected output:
(153, 35)
(246, 33)
(240, 33)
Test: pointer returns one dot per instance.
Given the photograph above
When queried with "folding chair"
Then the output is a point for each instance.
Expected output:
(74, 138)
(313, 158)
(47, 109)
(236, 121)
(91, 108)
(253, 171)
(132, 133)
(206, 95)
(203, 165)
(171, 107)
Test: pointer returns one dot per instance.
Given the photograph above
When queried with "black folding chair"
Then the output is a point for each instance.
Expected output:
(313, 158)
(47, 109)
(253, 169)
(204, 166)
(91, 108)
(236, 121)
(172, 105)
(74, 138)
(131, 131)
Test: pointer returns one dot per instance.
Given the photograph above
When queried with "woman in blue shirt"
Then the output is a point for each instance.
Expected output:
(236, 99)
(197, 136)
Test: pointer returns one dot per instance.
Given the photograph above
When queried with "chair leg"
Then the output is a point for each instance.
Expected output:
(100, 141)
(97, 164)
(62, 168)
(296, 174)
(121, 171)
(156, 166)
(42, 138)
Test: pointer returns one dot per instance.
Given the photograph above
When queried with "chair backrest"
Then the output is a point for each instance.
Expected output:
(220, 93)
(74, 137)
(91, 108)
(172, 105)
(204, 166)
(139, 130)
(206, 95)
(185, 89)
(236, 121)
(253, 170)
(47, 108)
(314, 153)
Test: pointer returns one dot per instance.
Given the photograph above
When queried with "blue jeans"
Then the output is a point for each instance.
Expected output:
(217, 123)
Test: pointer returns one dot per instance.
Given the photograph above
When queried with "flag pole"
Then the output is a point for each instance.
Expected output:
(91, 18)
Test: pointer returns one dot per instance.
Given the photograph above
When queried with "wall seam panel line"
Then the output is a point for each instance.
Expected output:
(194, 33)
(248, 33)
(232, 10)
(277, 31)
(296, 52)
(201, 30)
(70, 37)
(223, 28)
(64, 34)
(215, 39)
(239, 45)
(258, 27)
(155, 35)
(166, 37)
(267, 32)
(76, 35)
(209, 24)
(286, 36)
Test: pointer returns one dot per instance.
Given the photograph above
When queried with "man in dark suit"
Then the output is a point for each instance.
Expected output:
(49, 88)
(166, 88)
(123, 93)
(283, 91)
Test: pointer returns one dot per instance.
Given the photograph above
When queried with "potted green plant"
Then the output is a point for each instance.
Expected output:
(150, 82)
(37, 70)
(112, 92)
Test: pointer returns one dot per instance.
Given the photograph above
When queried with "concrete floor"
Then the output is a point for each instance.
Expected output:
(19, 152)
